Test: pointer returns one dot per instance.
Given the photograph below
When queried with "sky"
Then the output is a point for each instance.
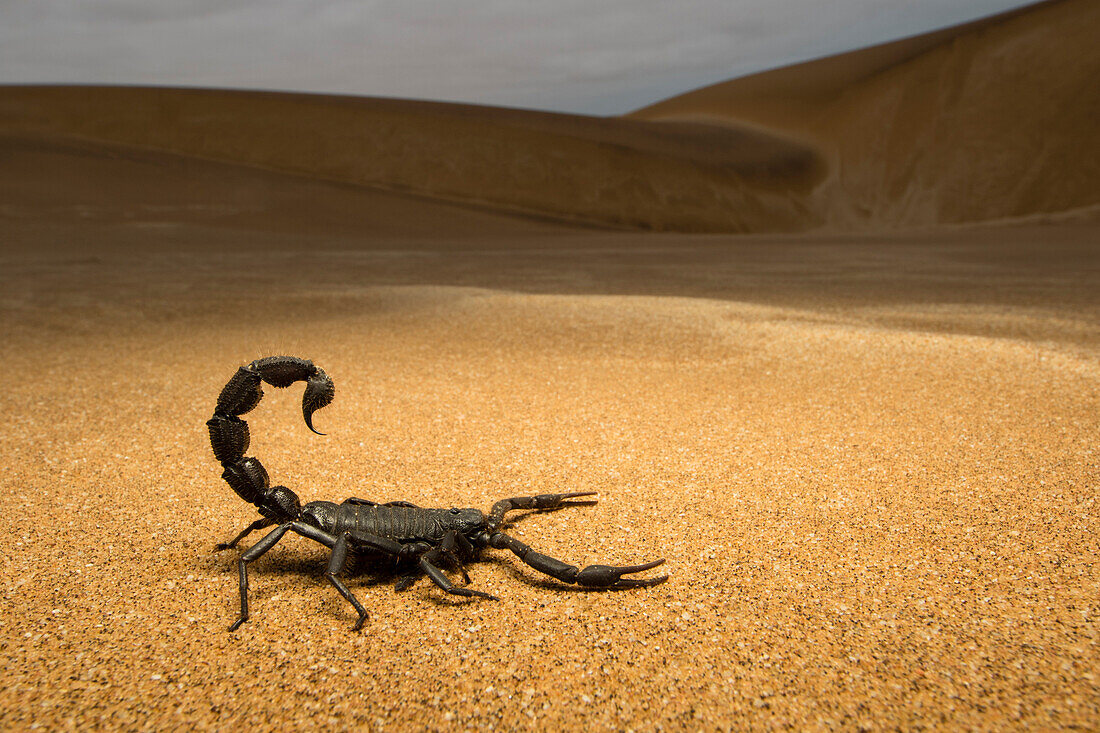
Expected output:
(586, 56)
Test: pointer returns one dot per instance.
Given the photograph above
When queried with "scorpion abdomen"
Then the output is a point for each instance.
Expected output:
(321, 514)
(392, 522)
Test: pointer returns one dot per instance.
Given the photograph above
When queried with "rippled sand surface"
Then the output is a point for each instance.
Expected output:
(871, 465)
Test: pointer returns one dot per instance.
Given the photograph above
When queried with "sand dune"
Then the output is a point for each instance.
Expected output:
(67, 179)
(583, 169)
(996, 119)
(989, 121)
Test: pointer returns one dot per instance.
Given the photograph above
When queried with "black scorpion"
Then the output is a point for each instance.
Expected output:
(416, 539)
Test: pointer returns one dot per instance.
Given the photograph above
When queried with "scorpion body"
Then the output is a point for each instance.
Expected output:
(418, 539)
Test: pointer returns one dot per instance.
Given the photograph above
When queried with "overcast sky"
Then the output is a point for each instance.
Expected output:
(589, 56)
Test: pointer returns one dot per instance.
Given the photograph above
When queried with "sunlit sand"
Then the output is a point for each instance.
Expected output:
(835, 357)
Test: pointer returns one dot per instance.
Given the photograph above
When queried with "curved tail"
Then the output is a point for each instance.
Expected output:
(229, 433)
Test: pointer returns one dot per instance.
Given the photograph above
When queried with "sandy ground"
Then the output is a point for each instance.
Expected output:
(870, 463)
(868, 454)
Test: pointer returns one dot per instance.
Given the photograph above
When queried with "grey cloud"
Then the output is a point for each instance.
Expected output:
(597, 56)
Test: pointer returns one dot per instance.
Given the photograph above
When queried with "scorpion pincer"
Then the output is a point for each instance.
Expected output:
(417, 539)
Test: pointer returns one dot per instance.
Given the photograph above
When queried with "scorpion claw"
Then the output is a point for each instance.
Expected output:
(578, 494)
(607, 576)
(553, 501)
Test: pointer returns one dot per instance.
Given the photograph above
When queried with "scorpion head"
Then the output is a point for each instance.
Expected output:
(468, 522)
(281, 504)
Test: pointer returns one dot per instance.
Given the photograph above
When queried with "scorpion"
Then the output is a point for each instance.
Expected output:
(417, 539)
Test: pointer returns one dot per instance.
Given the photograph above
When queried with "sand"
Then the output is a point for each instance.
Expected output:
(991, 120)
(867, 454)
(607, 172)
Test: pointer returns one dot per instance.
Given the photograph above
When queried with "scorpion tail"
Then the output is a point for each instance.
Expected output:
(319, 392)
(229, 436)
(283, 371)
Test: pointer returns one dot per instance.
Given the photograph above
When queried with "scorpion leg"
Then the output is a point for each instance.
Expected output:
(446, 549)
(407, 580)
(335, 565)
(258, 524)
(467, 549)
(593, 576)
(270, 540)
(360, 539)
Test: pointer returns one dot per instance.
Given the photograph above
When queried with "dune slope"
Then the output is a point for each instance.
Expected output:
(73, 182)
(615, 172)
(992, 120)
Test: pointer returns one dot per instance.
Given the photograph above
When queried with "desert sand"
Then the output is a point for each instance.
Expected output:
(861, 429)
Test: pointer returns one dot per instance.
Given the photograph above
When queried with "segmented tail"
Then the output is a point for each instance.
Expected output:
(229, 433)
